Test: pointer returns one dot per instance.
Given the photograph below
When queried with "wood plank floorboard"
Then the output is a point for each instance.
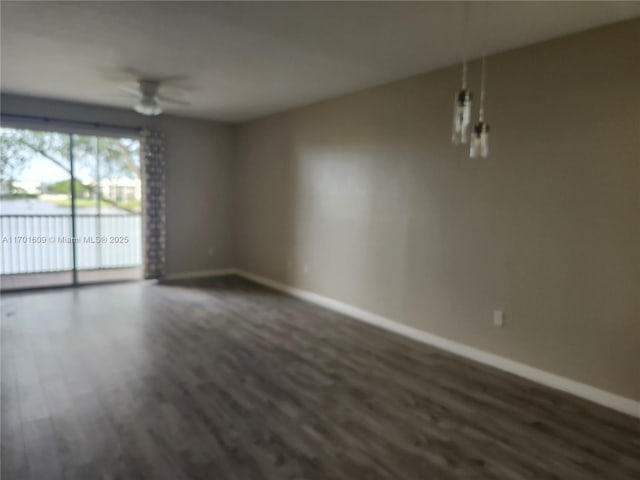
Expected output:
(223, 379)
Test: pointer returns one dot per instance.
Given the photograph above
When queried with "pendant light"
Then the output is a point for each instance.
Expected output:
(463, 99)
(480, 134)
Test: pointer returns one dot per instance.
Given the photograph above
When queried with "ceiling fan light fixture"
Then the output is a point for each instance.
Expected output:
(148, 106)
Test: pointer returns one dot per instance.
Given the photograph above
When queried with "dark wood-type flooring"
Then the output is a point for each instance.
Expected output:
(227, 380)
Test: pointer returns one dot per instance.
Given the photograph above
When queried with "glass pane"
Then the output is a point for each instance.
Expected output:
(108, 208)
(35, 209)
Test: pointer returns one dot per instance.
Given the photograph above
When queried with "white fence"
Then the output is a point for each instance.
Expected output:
(45, 243)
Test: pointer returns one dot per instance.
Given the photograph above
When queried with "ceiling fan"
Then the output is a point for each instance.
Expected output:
(150, 99)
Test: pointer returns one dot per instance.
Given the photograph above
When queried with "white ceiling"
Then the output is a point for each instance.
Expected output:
(248, 59)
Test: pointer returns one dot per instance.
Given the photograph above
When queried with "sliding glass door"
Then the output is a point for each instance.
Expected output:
(35, 209)
(107, 208)
(70, 209)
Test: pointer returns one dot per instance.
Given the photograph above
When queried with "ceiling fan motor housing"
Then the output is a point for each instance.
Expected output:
(148, 88)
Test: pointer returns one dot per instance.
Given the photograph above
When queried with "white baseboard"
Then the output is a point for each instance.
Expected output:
(588, 392)
(200, 274)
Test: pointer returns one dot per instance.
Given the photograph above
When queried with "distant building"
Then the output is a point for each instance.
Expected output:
(121, 189)
(117, 189)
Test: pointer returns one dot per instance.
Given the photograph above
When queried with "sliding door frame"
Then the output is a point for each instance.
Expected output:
(74, 251)
(72, 128)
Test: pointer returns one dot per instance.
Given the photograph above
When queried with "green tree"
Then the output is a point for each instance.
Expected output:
(64, 187)
(118, 157)
(19, 146)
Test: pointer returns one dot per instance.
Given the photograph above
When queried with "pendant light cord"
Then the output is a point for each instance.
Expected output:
(483, 72)
(482, 87)
(465, 46)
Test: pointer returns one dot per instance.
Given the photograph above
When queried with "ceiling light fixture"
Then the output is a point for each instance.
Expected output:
(480, 135)
(463, 99)
(148, 106)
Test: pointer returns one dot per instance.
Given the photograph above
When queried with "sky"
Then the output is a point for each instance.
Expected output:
(41, 170)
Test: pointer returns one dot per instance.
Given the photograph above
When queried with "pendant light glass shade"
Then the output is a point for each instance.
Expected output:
(479, 141)
(480, 135)
(461, 117)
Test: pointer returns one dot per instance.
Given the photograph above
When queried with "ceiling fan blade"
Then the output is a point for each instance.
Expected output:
(123, 75)
(174, 80)
(122, 95)
(173, 101)
(130, 75)
(130, 90)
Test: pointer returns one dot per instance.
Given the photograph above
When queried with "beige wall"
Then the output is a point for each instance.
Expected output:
(367, 192)
(198, 154)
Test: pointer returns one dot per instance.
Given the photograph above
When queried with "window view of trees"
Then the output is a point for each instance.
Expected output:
(36, 165)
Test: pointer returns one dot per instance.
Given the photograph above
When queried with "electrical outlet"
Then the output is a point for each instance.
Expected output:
(306, 268)
(498, 318)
